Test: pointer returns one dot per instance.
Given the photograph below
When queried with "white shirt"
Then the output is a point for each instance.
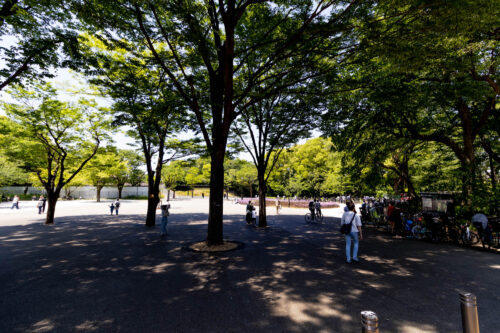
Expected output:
(346, 219)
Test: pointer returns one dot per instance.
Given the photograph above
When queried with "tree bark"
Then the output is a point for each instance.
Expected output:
(493, 184)
(98, 193)
(153, 201)
(51, 206)
(262, 199)
(215, 215)
(120, 189)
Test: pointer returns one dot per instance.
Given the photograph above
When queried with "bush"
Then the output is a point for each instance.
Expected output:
(293, 203)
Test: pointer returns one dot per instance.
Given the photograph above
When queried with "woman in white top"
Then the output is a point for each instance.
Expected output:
(356, 233)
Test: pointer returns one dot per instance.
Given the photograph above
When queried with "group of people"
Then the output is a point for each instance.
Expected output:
(40, 204)
(315, 208)
(115, 206)
(251, 215)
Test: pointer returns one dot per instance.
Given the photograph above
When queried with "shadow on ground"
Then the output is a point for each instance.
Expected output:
(109, 273)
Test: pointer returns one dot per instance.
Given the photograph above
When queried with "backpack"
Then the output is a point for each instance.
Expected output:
(311, 205)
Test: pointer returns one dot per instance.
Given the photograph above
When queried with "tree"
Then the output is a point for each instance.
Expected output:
(173, 175)
(427, 73)
(38, 37)
(11, 173)
(272, 125)
(127, 170)
(204, 48)
(102, 169)
(57, 139)
(198, 173)
(145, 101)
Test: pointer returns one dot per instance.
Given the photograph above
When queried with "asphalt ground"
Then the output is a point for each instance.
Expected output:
(92, 272)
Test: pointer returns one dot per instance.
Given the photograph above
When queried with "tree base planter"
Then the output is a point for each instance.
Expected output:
(224, 247)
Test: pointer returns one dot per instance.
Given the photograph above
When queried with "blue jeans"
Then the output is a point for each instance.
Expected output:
(164, 220)
(355, 237)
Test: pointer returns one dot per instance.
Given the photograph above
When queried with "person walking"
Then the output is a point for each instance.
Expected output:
(355, 235)
(15, 202)
(41, 204)
(278, 206)
(111, 208)
(117, 206)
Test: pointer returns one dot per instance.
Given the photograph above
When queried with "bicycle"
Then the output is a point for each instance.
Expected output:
(419, 230)
(318, 218)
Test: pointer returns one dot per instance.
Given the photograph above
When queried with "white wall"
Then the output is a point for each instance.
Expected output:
(86, 192)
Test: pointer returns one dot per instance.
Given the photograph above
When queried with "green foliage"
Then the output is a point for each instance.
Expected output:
(50, 138)
(11, 173)
(103, 167)
(38, 36)
(427, 74)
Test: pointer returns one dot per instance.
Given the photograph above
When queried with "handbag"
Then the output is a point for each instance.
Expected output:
(346, 228)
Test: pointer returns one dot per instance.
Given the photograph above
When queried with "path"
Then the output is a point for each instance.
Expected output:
(92, 272)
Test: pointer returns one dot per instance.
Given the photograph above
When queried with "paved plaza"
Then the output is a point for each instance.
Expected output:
(92, 272)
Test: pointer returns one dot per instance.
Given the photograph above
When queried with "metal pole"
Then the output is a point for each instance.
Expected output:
(369, 322)
(468, 307)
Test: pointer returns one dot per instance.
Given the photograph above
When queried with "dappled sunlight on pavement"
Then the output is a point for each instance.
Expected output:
(100, 273)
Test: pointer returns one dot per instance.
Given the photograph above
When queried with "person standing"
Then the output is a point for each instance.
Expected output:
(41, 204)
(355, 235)
(317, 206)
(250, 213)
(111, 208)
(117, 206)
(278, 206)
(44, 203)
(164, 219)
(390, 218)
(15, 202)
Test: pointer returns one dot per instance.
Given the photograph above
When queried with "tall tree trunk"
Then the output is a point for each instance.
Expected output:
(98, 194)
(262, 199)
(52, 197)
(168, 194)
(26, 189)
(153, 201)
(493, 178)
(215, 214)
(120, 189)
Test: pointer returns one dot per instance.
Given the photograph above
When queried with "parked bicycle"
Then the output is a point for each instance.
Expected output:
(466, 236)
(419, 229)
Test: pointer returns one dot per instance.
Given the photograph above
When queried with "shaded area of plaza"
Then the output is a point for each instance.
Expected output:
(100, 273)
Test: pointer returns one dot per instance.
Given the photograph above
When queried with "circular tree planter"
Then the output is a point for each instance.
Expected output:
(202, 246)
